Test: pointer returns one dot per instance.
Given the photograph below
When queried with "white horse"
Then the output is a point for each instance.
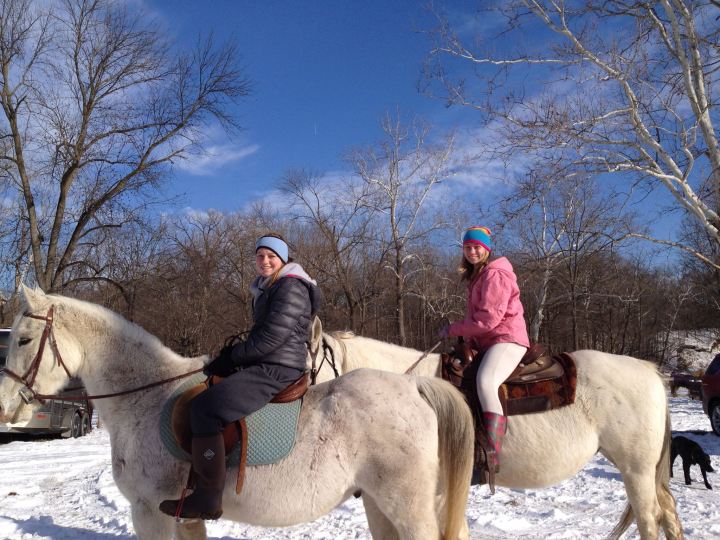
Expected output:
(348, 351)
(620, 410)
(404, 442)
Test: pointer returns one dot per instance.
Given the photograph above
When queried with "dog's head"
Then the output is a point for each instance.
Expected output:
(702, 459)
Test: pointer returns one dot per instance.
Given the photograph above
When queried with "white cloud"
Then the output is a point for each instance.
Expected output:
(215, 156)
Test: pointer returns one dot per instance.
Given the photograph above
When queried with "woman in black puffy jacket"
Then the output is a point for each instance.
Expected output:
(273, 356)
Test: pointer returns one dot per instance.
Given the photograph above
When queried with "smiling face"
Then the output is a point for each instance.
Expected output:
(475, 253)
(267, 262)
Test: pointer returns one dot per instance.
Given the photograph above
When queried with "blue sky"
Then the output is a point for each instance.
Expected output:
(324, 74)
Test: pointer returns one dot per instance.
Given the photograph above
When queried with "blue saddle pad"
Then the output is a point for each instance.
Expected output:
(271, 430)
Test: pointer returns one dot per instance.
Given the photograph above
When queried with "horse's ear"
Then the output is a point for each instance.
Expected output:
(316, 334)
(32, 298)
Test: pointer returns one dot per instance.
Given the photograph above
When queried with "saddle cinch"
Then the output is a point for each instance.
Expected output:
(541, 382)
(235, 435)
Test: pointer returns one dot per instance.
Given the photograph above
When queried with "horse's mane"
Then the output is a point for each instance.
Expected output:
(341, 334)
(388, 345)
(106, 316)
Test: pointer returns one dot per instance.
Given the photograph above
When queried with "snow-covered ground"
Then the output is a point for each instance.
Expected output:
(62, 489)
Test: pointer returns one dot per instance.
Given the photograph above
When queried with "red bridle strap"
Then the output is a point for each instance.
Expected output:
(28, 379)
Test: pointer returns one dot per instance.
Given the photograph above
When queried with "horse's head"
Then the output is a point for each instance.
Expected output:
(42, 356)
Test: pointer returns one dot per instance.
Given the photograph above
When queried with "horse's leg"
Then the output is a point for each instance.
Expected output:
(381, 528)
(191, 530)
(413, 517)
(669, 520)
(653, 507)
(640, 488)
(464, 533)
(149, 523)
(419, 522)
(645, 470)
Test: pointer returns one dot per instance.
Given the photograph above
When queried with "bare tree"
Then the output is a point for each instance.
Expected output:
(559, 223)
(95, 109)
(401, 172)
(620, 86)
(340, 212)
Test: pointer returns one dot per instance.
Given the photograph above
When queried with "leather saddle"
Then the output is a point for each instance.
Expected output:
(541, 382)
(233, 434)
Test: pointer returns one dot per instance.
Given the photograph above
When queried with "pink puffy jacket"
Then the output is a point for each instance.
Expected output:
(494, 311)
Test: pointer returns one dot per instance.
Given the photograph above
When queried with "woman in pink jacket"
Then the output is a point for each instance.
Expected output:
(494, 324)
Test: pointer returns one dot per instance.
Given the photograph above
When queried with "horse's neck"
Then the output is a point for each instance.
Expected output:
(118, 356)
(372, 353)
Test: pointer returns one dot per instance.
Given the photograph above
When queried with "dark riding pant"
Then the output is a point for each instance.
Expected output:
(237, 396)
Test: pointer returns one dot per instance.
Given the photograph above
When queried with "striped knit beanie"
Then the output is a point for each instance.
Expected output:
(478, 236)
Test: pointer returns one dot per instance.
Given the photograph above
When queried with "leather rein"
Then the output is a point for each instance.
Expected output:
(28, 378)
(424, 355)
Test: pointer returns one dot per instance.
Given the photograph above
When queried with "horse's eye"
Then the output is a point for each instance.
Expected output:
(23, 341)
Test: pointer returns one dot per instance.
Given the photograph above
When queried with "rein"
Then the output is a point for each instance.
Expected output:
(424, 355)
(28, 379)
(123, 392)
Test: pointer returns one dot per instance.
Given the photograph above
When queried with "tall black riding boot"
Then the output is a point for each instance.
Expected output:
(208, 461)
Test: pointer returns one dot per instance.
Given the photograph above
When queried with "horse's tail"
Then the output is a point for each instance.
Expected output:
(669, 519)
(456, 434)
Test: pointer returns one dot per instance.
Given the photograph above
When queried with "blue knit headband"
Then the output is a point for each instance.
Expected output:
(274, 244)
(478, 236)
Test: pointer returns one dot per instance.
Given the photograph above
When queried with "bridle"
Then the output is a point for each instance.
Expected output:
(28, 394)
(315, 369)
(28, 378)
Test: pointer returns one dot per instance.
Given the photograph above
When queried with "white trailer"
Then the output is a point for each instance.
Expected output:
(67, 417)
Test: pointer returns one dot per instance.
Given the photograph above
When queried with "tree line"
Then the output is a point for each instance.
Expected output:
(187, 282)
(97, 107)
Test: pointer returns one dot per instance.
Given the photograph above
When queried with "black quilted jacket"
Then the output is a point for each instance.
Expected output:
(282, 317)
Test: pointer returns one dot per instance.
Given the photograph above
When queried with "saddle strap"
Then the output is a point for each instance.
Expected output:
(231, 437)
(243, 432)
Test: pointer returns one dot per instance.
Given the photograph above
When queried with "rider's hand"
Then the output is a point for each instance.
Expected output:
(222, 365)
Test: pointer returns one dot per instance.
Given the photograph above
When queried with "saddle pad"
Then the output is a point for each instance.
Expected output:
(271, 430)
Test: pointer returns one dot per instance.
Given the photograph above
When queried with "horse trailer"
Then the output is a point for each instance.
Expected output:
(69, 417)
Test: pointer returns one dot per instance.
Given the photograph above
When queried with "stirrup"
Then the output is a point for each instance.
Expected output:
(483, 474)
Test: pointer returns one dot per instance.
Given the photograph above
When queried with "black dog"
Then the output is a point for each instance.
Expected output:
(691, 454)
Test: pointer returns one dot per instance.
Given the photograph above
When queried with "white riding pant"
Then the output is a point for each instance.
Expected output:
(499, 361)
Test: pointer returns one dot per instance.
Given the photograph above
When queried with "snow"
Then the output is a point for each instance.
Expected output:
(63, 489)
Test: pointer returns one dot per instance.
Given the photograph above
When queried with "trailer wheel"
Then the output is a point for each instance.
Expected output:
(76, 426)
(86, 425)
